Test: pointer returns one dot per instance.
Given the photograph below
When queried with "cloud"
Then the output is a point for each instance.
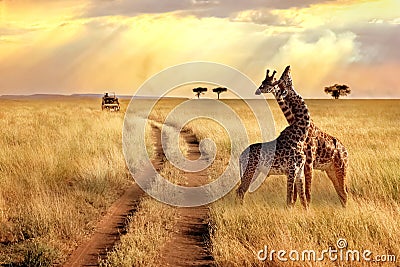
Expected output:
(14, 33)
(365, 58)
(205, 2)
(260, 16)
(115, 52)
(131, 8)
(121, 53)
(314, 59)
(119, 44)
(378, 42)
(200, 8)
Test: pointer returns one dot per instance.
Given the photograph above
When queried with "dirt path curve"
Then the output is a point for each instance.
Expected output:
(188, 245)
(107, 232)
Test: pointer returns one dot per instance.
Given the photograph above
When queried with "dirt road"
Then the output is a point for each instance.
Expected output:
(107, 231)
(188, 245)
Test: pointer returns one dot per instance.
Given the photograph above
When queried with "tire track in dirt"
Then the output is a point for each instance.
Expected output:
(189, 243)
(107, 232)
(109, 229)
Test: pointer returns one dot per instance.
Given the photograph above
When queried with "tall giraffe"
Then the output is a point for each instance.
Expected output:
(323, 151)
(288, 157)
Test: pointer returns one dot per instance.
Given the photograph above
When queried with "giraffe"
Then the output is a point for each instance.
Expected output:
(323, 151)
(288, 157)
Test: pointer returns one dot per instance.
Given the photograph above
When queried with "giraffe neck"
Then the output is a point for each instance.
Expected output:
(287, 111)
(300, 115)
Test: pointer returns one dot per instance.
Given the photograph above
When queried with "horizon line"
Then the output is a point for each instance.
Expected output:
(39, 95)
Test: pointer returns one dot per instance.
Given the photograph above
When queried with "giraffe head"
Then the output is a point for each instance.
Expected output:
(286, 79)
(270, 85)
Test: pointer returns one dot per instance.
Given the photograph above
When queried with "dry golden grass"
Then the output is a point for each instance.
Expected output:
(148, 230)
(369, 129)
(61, 166)
(369, 222)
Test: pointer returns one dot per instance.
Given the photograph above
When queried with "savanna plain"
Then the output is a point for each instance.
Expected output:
(62, 166)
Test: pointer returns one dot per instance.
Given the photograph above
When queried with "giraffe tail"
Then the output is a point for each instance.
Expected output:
(239, 190)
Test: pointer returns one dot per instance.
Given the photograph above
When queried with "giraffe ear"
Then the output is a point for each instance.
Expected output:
(285, 72)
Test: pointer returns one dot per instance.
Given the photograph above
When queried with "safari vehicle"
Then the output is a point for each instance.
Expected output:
(110, 102)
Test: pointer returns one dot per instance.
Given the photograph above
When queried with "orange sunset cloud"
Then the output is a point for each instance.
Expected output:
(88, 46)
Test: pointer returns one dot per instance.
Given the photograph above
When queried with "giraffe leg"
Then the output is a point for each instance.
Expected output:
(300, 187)
(311, 155)
(308, 174)
(341, 171)
(247, 177)
(341, 176)
(290, 188)
(295, 194)
(339, 186)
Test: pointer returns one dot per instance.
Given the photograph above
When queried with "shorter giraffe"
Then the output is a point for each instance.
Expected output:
(284, 155)
(323, 151)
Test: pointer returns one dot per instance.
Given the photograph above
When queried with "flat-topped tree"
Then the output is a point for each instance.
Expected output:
(219, 90)
(337, 90)
(199, 90)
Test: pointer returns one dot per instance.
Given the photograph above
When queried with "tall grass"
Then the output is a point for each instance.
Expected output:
(150, 228)
(369, 222)
(61, 166)
(369, 129)
(147, 231)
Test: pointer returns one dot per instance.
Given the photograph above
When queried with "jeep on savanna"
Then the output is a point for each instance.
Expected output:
(110, 102)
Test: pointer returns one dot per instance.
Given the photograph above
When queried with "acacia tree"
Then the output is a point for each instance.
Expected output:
(219, 90)
(337, 90)
(199, 90)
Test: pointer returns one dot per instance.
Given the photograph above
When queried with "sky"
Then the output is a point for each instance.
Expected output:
(91, 46)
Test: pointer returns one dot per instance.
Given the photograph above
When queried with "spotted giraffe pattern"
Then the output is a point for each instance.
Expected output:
(288, 157)
(323, 152)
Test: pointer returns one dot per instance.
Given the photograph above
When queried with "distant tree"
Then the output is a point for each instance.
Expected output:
(337, 90)
(199, 90)
(219, 90)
